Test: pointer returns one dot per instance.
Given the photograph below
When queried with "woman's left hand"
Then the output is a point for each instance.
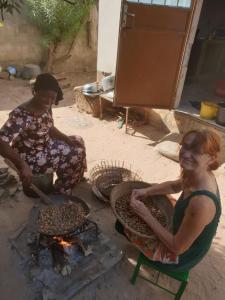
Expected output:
(140, 209)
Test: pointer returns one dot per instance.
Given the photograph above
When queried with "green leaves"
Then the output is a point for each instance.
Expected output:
(9, 6)
(57, 19)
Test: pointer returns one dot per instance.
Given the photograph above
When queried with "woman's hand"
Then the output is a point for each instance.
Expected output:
(139, 194)
(140, 209)
(26, 174)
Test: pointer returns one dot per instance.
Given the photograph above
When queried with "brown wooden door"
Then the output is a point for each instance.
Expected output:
(151, 48)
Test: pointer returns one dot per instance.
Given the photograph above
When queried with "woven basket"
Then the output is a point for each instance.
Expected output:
(164, 204)
(105, 176)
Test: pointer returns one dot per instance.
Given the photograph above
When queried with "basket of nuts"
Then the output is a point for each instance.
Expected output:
(106, 175)
(161, 207)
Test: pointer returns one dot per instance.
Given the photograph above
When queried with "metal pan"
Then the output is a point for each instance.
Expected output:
(53, 220)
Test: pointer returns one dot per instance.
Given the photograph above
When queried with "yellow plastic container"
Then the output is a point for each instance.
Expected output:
(208, 110)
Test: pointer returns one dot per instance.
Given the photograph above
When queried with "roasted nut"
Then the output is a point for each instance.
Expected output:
(132, 220)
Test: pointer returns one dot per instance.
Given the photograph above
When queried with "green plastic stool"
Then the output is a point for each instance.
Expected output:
(183, 277)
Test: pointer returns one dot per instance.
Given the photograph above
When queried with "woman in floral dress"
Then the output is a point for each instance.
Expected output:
(31, 132)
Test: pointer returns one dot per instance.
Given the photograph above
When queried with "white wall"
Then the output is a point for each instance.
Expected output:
(108, 30)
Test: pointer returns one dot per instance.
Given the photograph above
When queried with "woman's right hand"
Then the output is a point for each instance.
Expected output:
(26, 174)
(139, 194)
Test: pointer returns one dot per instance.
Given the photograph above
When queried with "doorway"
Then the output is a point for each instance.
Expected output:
(206, 67)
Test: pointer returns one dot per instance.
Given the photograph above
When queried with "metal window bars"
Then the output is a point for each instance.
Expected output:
(173, 3)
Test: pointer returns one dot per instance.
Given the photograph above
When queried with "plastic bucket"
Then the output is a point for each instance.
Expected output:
(208, 110)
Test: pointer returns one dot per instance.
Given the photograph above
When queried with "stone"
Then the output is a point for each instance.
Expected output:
(88, 251)
(12, 190)
(66, 270)
(11, 77)
(48, 295)
(2, 193)
(30, 71)
(169, 149)
(32, 82)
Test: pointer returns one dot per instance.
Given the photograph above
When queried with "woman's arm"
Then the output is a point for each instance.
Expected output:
(168, 187)
(72, 141)
(199, 213)
(57, 134)
(12, 127)
(24, 170)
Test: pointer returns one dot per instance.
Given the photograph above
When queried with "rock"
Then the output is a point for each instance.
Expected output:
(12, 190)
(2, 193)
(18, 73)
(66, 270)
(30, 71)
(34, 272)
(3, 173)
(48, 295)
(11, 77)
(169, 149)
(4, 181)
(32, 82)
(88, 251)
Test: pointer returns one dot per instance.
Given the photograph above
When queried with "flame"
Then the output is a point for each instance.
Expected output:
(63, 243)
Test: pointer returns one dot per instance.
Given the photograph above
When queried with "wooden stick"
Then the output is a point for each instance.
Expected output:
(45, 199)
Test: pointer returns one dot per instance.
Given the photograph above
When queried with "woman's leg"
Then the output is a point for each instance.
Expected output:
(69, 162)
(164, 267)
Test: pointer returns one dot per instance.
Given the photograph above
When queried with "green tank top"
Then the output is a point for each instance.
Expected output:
(201, 245)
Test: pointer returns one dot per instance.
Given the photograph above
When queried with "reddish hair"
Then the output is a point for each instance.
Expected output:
(207, 142)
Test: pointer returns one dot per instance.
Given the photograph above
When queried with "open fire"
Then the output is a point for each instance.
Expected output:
(61, 242)
(57, 265)
(65, 249)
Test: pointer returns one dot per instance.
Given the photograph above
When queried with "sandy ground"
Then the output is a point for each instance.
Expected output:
(105, 141)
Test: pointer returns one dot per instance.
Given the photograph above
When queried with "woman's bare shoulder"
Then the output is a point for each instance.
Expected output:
(202, 206)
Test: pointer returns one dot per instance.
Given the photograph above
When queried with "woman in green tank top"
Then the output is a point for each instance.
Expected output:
(197, 211)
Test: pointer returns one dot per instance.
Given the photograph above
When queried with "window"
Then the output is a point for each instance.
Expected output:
(159, 2)
(173, 3)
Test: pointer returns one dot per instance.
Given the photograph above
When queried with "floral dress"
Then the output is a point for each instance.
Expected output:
(30, 137)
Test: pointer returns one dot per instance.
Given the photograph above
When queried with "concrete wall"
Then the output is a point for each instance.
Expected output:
(108, 30)
(20, 43)
(84, 53)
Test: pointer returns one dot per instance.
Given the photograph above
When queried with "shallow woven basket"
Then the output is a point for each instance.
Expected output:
(105, 176)
(163, 202)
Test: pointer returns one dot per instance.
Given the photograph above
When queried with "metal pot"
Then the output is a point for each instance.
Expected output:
(90, 88)
(220, 118)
